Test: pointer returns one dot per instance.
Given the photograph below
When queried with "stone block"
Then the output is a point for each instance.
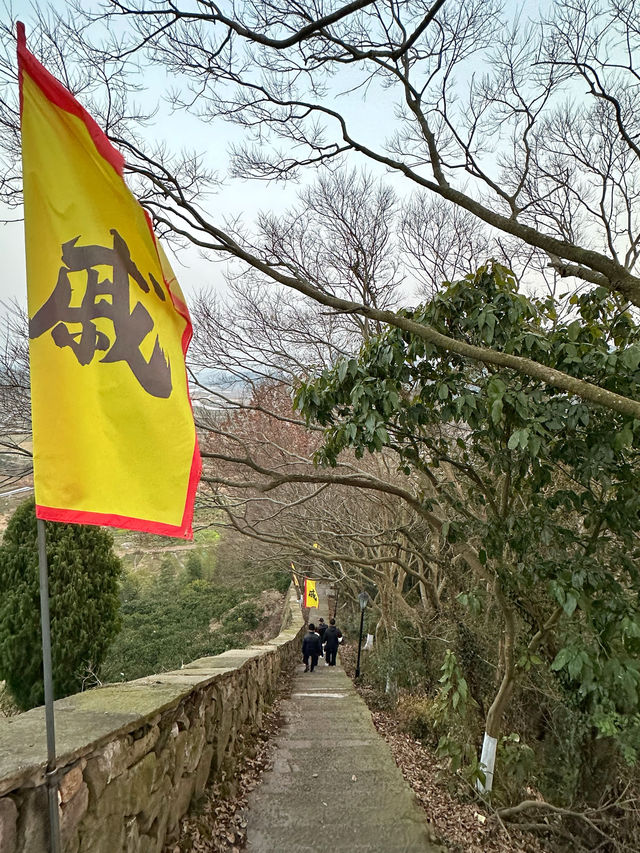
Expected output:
(131, 835)
(141, 777)
(8, 825)
(243, 711)
(102, 835)
(158, 831)
(146, 844)
(225, 726)
(211, 707)
(193, 748)
(71, 813)
(33, 820)
(114, 800)
(73, 845)
(165, 765)
(219, 753)
(182, 720)
(142, 743)
(71, 782)
(164, 733)
(95, 777)
(180, 747)
(106, 765)
(155, 805)
(203, 770)
(182, 796)
(252, 694)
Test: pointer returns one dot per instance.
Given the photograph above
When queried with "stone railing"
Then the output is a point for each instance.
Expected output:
(133, 756)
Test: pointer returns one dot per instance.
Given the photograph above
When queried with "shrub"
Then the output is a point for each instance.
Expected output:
(243, 617)
(83, 589)
(416, 715)
(394, 664)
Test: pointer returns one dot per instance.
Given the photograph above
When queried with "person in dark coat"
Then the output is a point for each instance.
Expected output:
(322, 627)
(311, 648)
(332, 638)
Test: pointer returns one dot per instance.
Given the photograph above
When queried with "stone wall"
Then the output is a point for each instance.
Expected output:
(133, 756)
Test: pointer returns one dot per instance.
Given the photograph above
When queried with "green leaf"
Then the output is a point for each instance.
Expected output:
(562, 658)
(496, 410)
(631, 357)
(574, 330)
(576, 664)
(518, 438)
(570, 603)
(382, 434)
(624, 438)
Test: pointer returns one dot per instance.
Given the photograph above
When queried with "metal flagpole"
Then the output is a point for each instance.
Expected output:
(51, 778)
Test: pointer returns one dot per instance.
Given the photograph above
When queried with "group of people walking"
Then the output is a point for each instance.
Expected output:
(323, 640)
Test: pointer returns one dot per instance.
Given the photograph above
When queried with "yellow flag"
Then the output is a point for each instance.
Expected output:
(310, 594)
(113, 433)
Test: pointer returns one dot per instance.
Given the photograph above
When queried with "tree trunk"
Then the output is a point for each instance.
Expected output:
(496, 711)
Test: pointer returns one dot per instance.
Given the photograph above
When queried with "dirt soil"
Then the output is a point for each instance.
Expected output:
(464, 827)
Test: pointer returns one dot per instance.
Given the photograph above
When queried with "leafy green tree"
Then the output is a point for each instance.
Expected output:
(83, 585)
(544, 503)
(193, 567)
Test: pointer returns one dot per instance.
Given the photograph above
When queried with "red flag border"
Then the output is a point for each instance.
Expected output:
(55, 92)
(179, 531)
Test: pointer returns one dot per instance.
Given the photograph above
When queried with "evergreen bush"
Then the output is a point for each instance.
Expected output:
(83, 588)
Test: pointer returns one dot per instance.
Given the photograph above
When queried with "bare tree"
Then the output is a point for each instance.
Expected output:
(259, 455)
(528, 157)
(15, 408)
(519, 147)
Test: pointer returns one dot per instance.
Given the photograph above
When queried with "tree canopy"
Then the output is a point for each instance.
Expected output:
(84, 604)
(539, 492)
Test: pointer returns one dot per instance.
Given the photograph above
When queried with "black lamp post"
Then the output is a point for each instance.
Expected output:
(363, 598)
(335, 606)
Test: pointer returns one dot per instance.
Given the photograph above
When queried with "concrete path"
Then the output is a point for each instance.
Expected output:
(334, 785)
